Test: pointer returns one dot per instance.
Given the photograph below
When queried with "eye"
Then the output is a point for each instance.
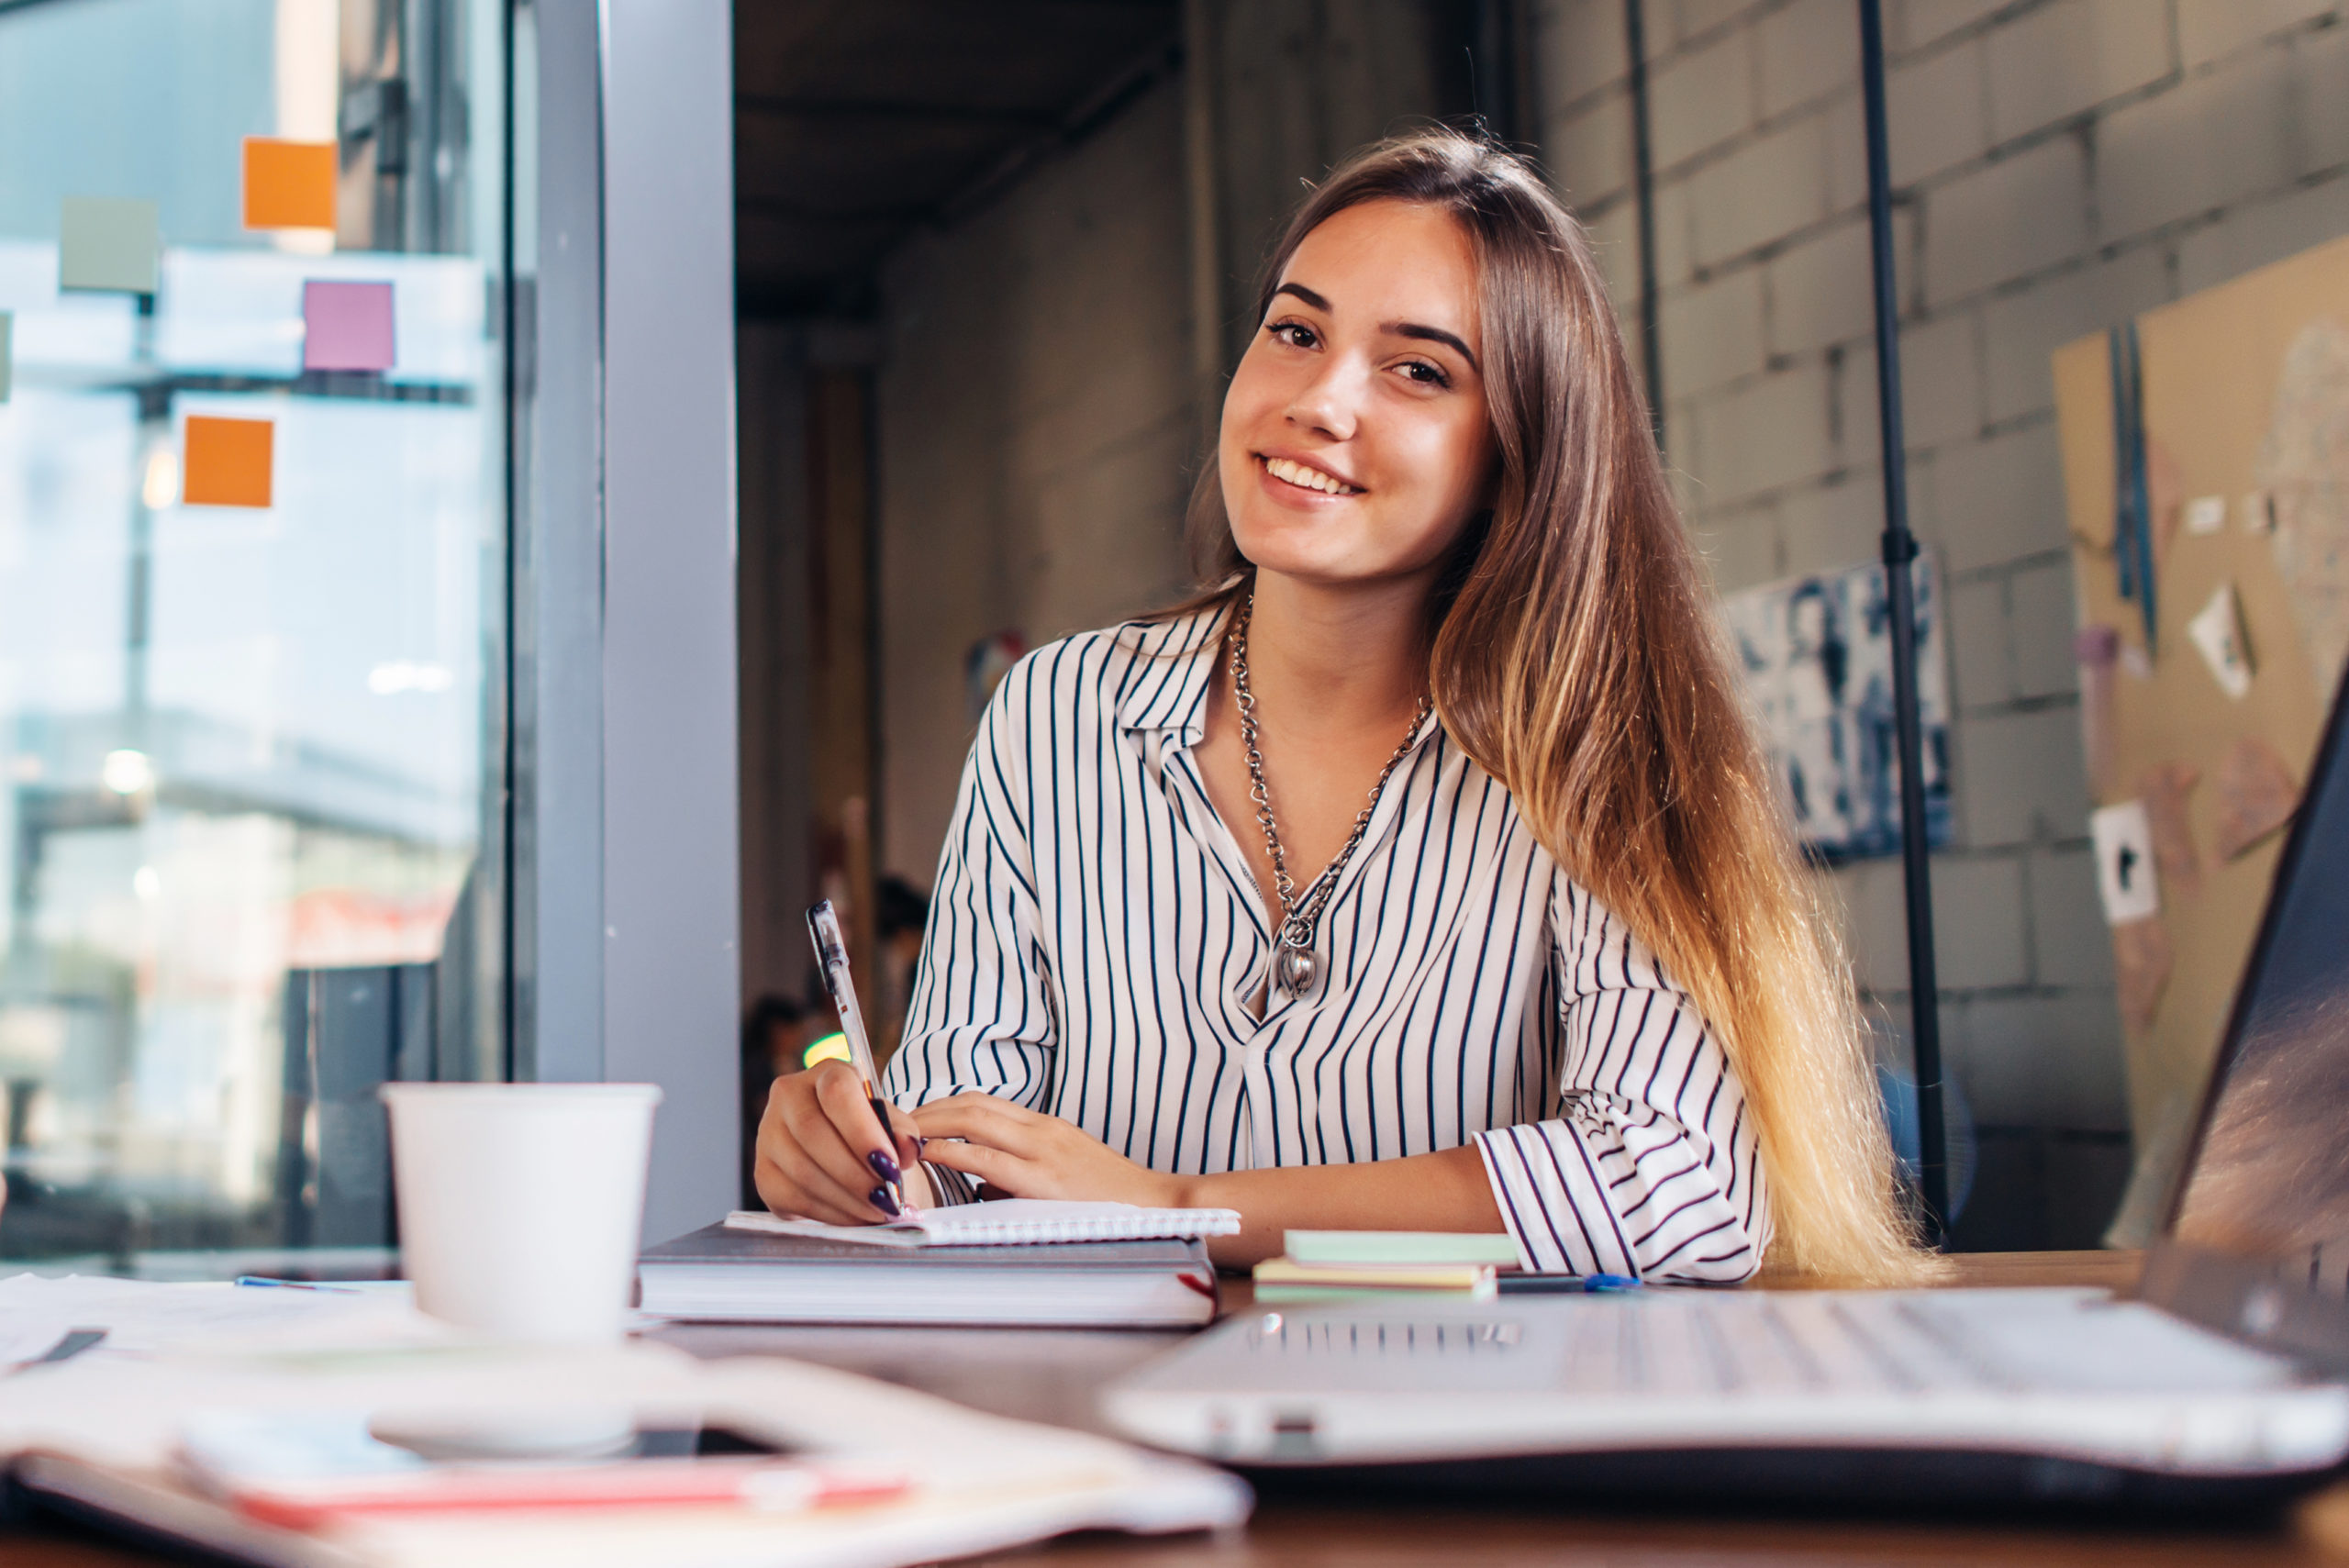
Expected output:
(1296, 334)
(1424, 372)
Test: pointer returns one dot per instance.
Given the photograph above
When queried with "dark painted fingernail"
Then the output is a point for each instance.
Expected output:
(884, 1202)
(921, 1143)
(884, 1167)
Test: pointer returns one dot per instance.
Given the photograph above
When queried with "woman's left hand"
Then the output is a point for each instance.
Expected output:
(1025, 1154)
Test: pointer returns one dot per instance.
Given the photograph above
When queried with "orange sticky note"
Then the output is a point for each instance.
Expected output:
(289, 184)
(225, 462)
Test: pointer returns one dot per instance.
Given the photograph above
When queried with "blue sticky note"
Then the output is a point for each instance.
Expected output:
(108, 245)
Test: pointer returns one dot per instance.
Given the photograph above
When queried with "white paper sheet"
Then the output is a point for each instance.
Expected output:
(146, 1318)
(2124, 862)
(982, 1483)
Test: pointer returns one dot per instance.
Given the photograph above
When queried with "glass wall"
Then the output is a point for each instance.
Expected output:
(253, 482)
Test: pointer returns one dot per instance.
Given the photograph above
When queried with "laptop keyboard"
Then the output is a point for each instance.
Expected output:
(1763, 1343)
(1750, 1342)
(1666, 1342)
(1767, 1343)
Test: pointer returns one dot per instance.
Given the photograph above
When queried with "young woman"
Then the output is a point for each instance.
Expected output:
(1423, 871)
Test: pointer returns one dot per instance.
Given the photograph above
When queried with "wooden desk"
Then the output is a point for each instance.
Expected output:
(1051, 1377)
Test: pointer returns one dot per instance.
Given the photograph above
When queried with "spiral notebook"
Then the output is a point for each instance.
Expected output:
(1009, 1222)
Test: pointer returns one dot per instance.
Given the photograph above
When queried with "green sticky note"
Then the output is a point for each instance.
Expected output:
(6, 322)
(108, 245)
(1401, 1247)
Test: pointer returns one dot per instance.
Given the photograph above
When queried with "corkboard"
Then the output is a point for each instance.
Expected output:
(2219, 370)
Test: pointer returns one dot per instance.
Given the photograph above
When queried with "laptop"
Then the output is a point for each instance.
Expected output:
(2224, 1381)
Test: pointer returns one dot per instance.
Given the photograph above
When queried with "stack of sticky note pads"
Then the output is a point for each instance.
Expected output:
(1328, 1265)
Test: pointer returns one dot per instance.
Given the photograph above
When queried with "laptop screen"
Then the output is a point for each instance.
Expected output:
(2269, 1174)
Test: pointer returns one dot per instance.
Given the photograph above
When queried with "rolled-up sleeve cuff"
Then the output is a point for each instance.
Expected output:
(1552, 1201)
(949, 1187)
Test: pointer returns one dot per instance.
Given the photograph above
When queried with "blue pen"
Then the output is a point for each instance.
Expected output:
(261, 1283)
(1565, 1285)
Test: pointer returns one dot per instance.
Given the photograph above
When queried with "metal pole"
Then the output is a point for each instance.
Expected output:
(1899, 550)
(1643, 173)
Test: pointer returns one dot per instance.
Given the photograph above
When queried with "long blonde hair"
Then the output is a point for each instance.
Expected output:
(1576, 655)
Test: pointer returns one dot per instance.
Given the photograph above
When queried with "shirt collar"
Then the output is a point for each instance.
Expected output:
(1167, 685)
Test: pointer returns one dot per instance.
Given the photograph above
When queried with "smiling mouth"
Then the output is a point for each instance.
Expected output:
(1307, 478)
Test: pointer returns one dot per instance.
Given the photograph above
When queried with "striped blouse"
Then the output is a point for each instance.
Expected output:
(1097, 939)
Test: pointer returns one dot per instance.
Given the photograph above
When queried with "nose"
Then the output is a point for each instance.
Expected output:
(1330, 405)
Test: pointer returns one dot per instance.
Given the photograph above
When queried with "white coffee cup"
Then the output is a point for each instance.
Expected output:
(520, 1204)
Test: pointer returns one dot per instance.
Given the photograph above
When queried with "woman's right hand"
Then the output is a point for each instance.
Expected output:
(823, 1155)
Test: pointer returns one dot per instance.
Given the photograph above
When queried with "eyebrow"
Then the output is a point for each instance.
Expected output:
(1431, 335)
(1399, 328)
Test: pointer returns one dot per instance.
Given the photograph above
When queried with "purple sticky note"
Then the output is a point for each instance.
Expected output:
(346, 327)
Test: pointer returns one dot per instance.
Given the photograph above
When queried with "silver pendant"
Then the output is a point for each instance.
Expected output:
(1298, 968)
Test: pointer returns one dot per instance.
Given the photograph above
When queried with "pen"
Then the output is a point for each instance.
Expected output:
(831, 955)
(1563, 1284)
(264, 1282)
(72, 1343)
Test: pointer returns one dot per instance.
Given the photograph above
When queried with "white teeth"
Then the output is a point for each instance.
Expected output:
(1308, 478)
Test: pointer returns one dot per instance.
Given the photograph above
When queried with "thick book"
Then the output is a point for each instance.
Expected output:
(723, 1274)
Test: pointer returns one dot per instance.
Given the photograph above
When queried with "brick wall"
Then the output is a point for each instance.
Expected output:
(2059, 166)
(1039, 413)
(1035, 433)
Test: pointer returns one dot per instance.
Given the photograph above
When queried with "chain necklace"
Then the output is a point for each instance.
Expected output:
(1297, 963)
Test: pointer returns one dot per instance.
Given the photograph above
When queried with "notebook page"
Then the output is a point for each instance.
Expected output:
(1009, 1222)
